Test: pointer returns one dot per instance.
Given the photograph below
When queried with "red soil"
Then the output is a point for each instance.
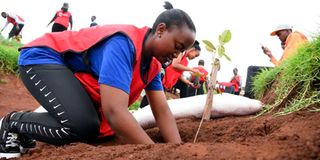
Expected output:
(294, 136)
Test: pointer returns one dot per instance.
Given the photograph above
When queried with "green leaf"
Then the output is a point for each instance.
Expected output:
(209, 49)
(221, 50)
(209, 46)
(225, 37)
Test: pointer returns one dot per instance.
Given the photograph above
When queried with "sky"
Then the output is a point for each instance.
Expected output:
(250, 22)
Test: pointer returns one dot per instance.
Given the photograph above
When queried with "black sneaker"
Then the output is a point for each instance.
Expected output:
(9, 143)
(26, 143)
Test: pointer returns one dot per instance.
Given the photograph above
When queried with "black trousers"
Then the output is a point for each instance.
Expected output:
(71, 114)
(144, 102)
(252, 71)
(56, 27)
(14, 31)
(182, 87)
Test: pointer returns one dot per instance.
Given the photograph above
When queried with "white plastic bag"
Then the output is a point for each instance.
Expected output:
(223, 105)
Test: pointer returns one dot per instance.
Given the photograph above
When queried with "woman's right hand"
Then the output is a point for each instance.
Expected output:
(195, 86)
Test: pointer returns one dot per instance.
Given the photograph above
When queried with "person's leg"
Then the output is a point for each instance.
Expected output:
(232, 89)
(200, 90)
(183, 88)
(252, 71)
(71, 114)
(190, 91)
(227, 90)
(238, 93)
(144, 101)
(19, 30)
(58, 27)
(12, 32)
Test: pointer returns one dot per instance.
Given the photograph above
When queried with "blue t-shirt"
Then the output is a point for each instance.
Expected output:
(111, 61)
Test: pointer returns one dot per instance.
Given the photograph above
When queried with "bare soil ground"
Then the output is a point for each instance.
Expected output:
(294, 136)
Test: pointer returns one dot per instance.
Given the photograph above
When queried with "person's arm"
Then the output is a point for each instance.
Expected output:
(5, 25)
(71, 22)
(163, 116)
(115, 69)
(267, 52)
(188, 82)
(178, 66)
(54, 17)
(185, 80)
(115, 109)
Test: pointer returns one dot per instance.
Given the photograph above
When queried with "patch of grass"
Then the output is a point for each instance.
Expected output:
(9, 55)
(264, 80)
(303, 69)
(135, 106)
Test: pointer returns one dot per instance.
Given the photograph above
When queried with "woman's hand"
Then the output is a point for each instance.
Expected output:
(195, 86)
(115, 108)
(163, 116)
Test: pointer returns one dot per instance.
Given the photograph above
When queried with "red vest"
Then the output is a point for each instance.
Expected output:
(236, 83)
(63, 18)
(172, 75)
(12, 21)
(203, 71)
(84, 39)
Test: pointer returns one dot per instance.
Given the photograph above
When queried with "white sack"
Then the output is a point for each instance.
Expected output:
(223, 105)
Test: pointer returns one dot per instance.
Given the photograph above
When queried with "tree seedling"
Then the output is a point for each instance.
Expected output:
(224, 38)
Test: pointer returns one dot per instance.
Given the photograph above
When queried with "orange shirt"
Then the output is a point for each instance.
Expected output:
(293, 42)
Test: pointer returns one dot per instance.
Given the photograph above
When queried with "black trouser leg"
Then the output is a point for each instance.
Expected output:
(200, 90)
(144, 101)
(191, 91)
(71, 114)
(182, 87)
(251, 73)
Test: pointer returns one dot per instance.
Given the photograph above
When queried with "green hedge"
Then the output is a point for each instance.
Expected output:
(9, 55)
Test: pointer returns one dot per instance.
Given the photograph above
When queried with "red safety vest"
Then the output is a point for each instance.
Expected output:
(172, 75)
(236, 83)
(84, 39)
(12, 21)
(203, 71)
(63, 18)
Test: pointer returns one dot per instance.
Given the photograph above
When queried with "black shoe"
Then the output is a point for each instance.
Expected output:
(9, 143)
(26, 143)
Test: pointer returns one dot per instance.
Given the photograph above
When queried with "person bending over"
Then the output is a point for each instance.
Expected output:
(87, 79)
